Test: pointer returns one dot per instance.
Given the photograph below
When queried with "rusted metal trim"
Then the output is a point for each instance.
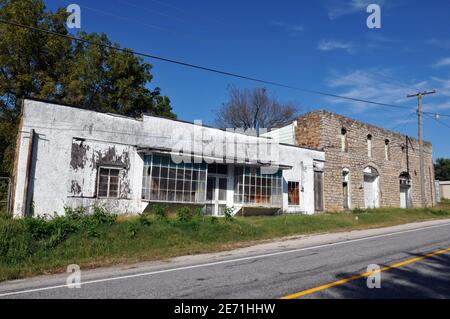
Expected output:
(25, 208)
(8, 204)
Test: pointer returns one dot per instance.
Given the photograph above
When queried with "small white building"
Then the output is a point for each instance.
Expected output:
(71, 157)
(444, 189)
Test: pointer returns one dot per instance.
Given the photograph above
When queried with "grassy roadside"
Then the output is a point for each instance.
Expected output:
(32, 247)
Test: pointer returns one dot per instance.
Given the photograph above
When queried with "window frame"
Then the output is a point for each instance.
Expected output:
(299, 193)
(109, 168)
(189, 179)
(252, 188)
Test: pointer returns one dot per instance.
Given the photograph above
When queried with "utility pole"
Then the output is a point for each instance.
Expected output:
(421, 158)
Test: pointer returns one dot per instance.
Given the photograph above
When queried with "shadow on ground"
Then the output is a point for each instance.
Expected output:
(425, 279)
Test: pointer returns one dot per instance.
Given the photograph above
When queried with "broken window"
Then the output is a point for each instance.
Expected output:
(166, 181)
(253, 187)
(294, 193)
(108, 182)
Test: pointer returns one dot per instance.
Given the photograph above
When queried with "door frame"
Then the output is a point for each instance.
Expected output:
(215, 196)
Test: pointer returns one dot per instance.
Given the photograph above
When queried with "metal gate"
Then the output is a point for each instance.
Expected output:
(5, 194)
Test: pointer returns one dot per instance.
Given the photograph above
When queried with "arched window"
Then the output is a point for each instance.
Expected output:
(369, 146)
(387, 155)
(344, 141)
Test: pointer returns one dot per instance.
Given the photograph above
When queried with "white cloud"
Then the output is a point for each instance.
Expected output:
(374, 85)
(291, 29)
(330, 45)
(349, 7)
(442, 62)
(442, 86)
(440, 43)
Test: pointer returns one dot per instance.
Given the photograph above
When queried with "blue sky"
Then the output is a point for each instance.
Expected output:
(321, 45)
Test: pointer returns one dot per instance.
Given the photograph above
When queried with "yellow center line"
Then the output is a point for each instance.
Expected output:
(363, 275)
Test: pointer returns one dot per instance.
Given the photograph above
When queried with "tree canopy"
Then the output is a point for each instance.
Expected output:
(254, 109)
(40, 65)
(442, 169)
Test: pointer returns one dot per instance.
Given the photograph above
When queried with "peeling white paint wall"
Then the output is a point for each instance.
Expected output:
(71, 143)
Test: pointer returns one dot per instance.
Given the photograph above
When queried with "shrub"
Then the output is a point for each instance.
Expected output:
(4, 215)
(99, 217)
(75, 213)
(37, 227)
(185, 214)
(358, 211)
(228, 213)
(92, 231)
(132, 230)
(143, 220)
(160, 212)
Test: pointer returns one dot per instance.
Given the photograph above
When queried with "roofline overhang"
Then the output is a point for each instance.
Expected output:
(212, 159)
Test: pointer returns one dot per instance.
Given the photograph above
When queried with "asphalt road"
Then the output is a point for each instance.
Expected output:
(276, 270)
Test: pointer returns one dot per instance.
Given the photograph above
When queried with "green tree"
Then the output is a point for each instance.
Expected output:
(40, 65)
(442, 169)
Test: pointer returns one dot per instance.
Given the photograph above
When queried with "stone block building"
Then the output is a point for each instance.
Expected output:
(365, 166)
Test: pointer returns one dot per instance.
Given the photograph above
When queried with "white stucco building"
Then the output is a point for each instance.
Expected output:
(70, 157)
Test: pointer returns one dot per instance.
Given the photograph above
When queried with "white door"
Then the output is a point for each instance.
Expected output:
(404, 194)
(403, 198)
(371, 191)
(216, 195)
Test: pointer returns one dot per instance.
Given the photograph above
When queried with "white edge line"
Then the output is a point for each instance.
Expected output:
(226, 261)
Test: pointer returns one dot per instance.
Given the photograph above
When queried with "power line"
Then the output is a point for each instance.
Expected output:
(203, 68)
(437, 120)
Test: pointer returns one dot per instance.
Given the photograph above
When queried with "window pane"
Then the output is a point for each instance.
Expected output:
(294, 193)
(102, 192)
(222, 189)
(155, 171)
(114, 172)
(172, 173)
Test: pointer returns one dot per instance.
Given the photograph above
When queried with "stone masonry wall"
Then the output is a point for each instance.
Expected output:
(322, 129)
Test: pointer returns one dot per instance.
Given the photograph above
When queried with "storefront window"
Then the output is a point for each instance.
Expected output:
(166, 181)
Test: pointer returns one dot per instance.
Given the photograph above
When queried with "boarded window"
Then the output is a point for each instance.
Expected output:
(344, 141)
(294, 193)
(108, 183)
(369, 146)
(387, 155)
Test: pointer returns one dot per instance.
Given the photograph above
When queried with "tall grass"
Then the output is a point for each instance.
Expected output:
(49, 244)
